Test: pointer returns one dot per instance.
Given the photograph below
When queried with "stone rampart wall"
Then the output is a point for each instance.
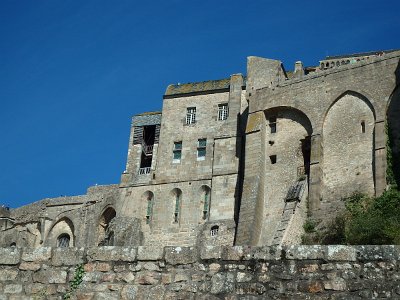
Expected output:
(293, 272)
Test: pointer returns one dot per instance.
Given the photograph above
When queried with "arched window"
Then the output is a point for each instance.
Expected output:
(177, 193)
(214, 230)
(148, 197)
(63, 240)
(13, 245)
(206, 197)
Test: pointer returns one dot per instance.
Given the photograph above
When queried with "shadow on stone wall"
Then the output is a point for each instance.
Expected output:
(393, 122)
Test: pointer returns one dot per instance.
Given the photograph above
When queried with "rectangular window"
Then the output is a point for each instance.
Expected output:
(177, 152)
(223, 111)
(191, 115)
(201, 149)
(272, 124)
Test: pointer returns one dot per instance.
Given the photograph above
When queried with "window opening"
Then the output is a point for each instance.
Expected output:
(201, 149)
(363, 126)
(177, 206)
(273, 159)
(306, 150)
(272, 124)
(223, 111)
(63, 240)
(147, 141)
(177, 152)
(13, 245)
(149, 212)
(206, 207)
(214, 230)
(106, 227)
(191, 115)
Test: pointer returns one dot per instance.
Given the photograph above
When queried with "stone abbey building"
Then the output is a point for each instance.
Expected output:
(238, 161)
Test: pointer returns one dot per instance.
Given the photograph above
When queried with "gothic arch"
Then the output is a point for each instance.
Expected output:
(348, 132)
(61, 227)
(147, 204)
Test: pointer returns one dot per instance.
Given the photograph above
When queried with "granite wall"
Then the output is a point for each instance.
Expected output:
(293, 272)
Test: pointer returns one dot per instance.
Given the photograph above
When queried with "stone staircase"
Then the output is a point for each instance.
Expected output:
(292, 199)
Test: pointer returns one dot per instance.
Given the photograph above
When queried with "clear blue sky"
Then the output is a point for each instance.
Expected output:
(72, 73)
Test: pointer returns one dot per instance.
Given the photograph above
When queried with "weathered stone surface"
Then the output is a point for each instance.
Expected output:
(8, 274)
(36, 254)
(13, 288)
(150, 253)
(211, 252)
(384, 252)
(10, 256)
(99, 266)
(305, 252)
(180, 255)
(50, 276)
(222, 283)
(67, 256)
(266, 253)
(341, 253)
(110, 253)
(29, 266)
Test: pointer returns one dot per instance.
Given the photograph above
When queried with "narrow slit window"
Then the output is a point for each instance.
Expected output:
(272, 124)
(149, 212)
(273, 159)
(363, 126)
(177, 207)
(206, 208)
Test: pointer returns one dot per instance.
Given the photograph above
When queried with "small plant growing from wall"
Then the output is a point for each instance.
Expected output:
(76, 281)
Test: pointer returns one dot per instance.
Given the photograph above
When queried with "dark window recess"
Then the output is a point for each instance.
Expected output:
(272, 124)
(273, 159)
(363, 126)
(147, 141)
(306, 150)
(214, 230)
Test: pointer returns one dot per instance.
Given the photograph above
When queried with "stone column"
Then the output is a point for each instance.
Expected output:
(380, 157)
(315, 177)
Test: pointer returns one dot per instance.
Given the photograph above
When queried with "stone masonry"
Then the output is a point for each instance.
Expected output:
(220, 272)
(237, 161)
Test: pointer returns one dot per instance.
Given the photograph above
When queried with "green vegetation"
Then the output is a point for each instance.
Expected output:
(76, 281)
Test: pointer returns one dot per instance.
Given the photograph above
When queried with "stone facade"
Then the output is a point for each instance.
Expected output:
(210, 272)
(234, 161)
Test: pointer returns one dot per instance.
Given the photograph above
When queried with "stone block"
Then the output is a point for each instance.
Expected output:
(49, 275)
(111, 253)
(36, 255)
(97, 266)
(236, 252)
(67, 256)
(13, 289)
(10, 256)
(180, 255)
(8, 274)
(147, 278)
(266, 253)
(29, 266)
(150, 253)
(211, 252)
(341, 253)
(304, 252)
(377, 253)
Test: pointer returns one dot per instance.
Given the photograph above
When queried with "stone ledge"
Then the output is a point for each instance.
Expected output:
(30, 258)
